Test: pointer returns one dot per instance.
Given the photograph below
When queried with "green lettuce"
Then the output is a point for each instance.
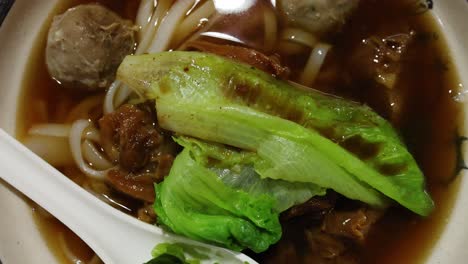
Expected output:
(214, 194)
(194, 202)
(300, 136)
(183, 253)
(236, 169)
(176, 253)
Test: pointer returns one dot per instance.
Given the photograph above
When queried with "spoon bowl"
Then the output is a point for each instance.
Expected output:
(114, 236)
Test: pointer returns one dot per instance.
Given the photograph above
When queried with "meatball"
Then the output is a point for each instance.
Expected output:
(86, 44)
(318, 16)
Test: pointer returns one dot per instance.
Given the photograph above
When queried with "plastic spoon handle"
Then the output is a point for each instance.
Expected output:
(114, 236)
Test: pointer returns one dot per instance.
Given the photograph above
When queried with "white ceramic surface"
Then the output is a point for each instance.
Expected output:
(115, 236)
(20, 241)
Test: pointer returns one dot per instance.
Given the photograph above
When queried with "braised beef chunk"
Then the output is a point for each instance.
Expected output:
(324, 230)
(143, 152)
(248, 56)
(107, 193)
(131, 133)
(137, 186)
(350, 224)
(303, 241)
(324, 245)
(164, 164)
(147, 214)
(377, 62)
(379, 58)
(325, 248)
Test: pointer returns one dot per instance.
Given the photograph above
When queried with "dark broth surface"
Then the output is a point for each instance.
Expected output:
(427, 123)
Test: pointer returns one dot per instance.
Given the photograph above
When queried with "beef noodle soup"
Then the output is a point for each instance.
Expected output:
(107, 135)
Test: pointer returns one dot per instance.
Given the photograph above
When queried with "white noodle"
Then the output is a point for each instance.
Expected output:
(76, 133)
(50, 129)
(93, 134)
(194, 5)
(155, 39)
(143, 16)
(315, 62)
(299, 36)
(197, 34)
(122, 95)
(144, 19)
(55, 150)
(94, 156)
(159, 13)
(193, 21)
(118, 93)
(271, 28)
(109, 99)
(165, 32)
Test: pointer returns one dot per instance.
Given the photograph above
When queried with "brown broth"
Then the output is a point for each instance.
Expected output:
(428, 123)
(44, 100)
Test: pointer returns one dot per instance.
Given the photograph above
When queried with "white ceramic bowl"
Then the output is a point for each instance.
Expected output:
(20, 240)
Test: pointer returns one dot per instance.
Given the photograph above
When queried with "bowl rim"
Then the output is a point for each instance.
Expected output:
(19, 31)
(27, 21)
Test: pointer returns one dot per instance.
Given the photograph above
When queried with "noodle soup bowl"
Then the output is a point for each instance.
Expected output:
(22, 39)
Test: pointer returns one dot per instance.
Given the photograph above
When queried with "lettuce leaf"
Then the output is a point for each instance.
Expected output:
(236, 169)
(214, 194)
(300, 136)
(171, 253)
(194, 202)
(183, 253)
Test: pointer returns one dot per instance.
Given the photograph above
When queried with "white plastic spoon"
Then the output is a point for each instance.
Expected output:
(114, 236)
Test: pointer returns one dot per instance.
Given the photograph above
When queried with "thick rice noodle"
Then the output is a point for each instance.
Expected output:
(143, 17)
(194, 21)
(299, 36)
(75, 140)
(169, 23)
(315, 62)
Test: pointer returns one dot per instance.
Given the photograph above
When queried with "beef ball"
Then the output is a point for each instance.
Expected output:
(86, 44)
